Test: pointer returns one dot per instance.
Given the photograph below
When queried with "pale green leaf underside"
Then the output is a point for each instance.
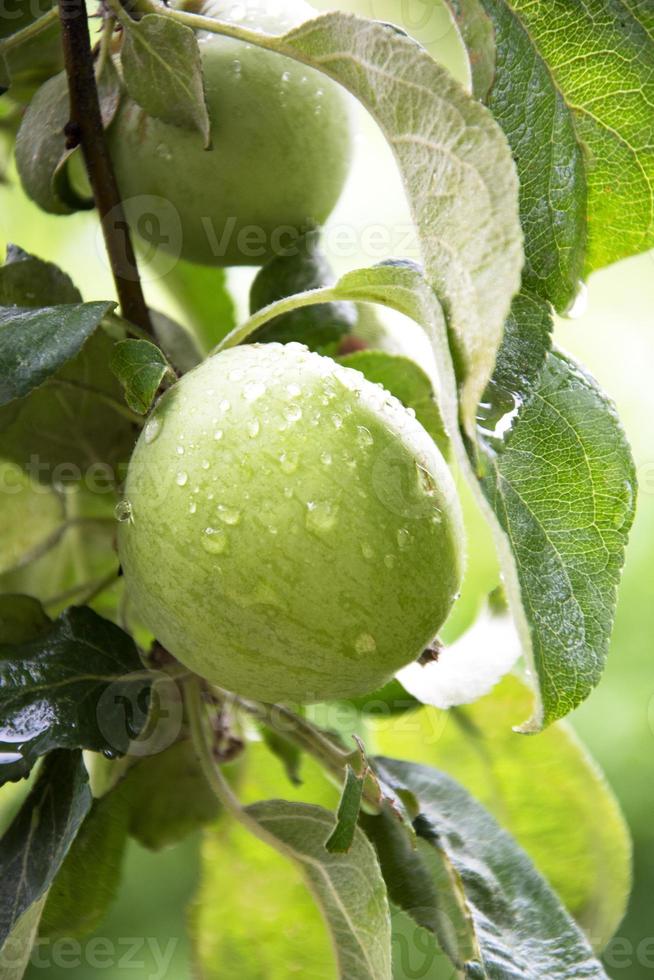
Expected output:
(574, 90)
(518, 927)
(348, 887)
(457, 171)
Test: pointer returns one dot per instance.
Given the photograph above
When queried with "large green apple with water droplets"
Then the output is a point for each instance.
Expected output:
(278, 159)
(291, 532)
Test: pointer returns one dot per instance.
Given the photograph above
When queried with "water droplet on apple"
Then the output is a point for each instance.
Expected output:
(288, 462)
(321, 515)
(389, 560)
(337, 421)
(224, 406)
(180, 450)
(253, 428)
(228, 515)
(253, 390)
(218, 434)
(293, 413)
(326, 458)
(205, 464)
(214, 541)
(403, 537)
(181, 479)
(123, 511)
(364, 437)
(367, 550)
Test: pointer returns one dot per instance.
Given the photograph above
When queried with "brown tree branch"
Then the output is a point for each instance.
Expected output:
(86, 127)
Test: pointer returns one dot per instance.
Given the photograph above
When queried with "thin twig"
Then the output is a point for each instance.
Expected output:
(85, 128)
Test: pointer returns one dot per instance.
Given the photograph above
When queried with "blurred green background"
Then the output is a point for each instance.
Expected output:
(614, 338)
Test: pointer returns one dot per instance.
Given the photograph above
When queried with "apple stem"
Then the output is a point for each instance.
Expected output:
(86, 129)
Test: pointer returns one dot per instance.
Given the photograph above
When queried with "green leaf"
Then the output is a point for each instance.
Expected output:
(168, 797)
(348, 887)
(162, 70)
(560, 478)
(545, 791)
(79, 685)
(36, 843)
(28, 281)
(72, 427)
(514, 924)
(408, 382)
(202, 295)
(457, 171)
(35, 343)
(140, 367)
(41, 153)
(304, 267)
(580, 126)
(342, 836)
(416, 953)
(88, 879)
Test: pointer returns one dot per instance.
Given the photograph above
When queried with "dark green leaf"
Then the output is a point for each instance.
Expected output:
(109, 91)
(305, 267)
(79, 685)
(408, 382)
(34, 344)
(36, 843)
(202, 295)
(36, 431)
(178, 344)
(348, 887)
(507, 921)
(41, 154)
(580, 126)
(341, 838)
(559, 475)
(28, 282)
(140, 367)
(162, 70)
(88, 879)
(168, 797)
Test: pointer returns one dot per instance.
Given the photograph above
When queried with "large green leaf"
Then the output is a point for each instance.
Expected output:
(26, 280)
(545, 791)
(456, 167)
(477, 890)
(347, 887)
(573, 88)
(36, 843)
(559, 476)
(35, 343)
(79, 684)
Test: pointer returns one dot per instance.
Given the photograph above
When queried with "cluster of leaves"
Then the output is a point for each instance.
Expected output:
(413, 869)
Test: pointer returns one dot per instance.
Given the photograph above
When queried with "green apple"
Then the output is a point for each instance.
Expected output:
(292, 531)
(279, 156)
